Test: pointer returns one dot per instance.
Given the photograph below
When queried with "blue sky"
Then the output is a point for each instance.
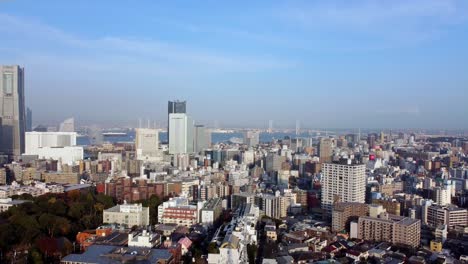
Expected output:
(329, 64)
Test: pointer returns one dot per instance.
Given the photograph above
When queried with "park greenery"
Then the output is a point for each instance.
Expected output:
(52, 216)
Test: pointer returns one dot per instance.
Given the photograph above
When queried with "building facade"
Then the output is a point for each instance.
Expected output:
(147, 144)
(180, 134)
(343, 212)
(396, 229)
(343, 183)
(12, 110)
(127, 214)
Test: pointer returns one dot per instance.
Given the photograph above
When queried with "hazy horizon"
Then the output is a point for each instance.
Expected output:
(330, 64)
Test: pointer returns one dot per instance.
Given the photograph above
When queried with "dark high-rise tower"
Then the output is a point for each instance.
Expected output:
(175, 107)
(12, 112)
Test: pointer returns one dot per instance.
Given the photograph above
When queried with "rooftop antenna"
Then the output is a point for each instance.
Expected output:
(139, 122)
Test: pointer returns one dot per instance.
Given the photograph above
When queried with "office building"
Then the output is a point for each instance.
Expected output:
(202, 138)
(325, 150)
(451, 216)
(127, 214)
(36, 140)
(147, 144)
(54, 145)
(68, 125)
(343, 181)
(180, 134)
(175, 107)
(12, 111)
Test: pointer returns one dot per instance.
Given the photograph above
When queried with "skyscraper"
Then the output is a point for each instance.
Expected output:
(28, 120)
(343, 181)
(12, 111)
(201, 139)
(175, 107)
(180, 134)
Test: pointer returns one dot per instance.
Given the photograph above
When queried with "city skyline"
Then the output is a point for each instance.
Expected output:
(368, 64)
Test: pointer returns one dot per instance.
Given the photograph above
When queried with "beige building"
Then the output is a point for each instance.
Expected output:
(127, 214)
(274, 206)
(343, 212)
(3, 176)
(450, 216)
(391, 228)
(391, 206)
(61, 177)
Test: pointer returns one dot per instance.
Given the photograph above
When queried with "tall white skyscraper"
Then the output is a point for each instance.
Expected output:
(180, 134)
(147, 144)
(12, 110)
(68, 125)
(343, 182)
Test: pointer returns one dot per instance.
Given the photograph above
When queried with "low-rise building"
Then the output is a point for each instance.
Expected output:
(343, 212)
(6, 203)
(211, 211)
(397, 229)
(127, 214)
(115, 254)
(450, 216)
(61, 177)
(144, 239)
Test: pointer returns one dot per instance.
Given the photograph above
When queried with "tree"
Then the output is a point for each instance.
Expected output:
(35, 256)
(106, 200)
(76, 211)
(54, 225)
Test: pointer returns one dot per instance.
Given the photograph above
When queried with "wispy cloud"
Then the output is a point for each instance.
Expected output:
(390, 20)
(174, 56)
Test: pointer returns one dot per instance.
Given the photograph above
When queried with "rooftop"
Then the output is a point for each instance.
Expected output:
(114, 255)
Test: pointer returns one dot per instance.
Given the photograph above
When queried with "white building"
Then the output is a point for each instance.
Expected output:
(442, 196)
(180, 134)
(343, 182)
(68, 125)
(54, 145)
(6, 203)
(147, 144)
(127, 214)
(144, 239)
